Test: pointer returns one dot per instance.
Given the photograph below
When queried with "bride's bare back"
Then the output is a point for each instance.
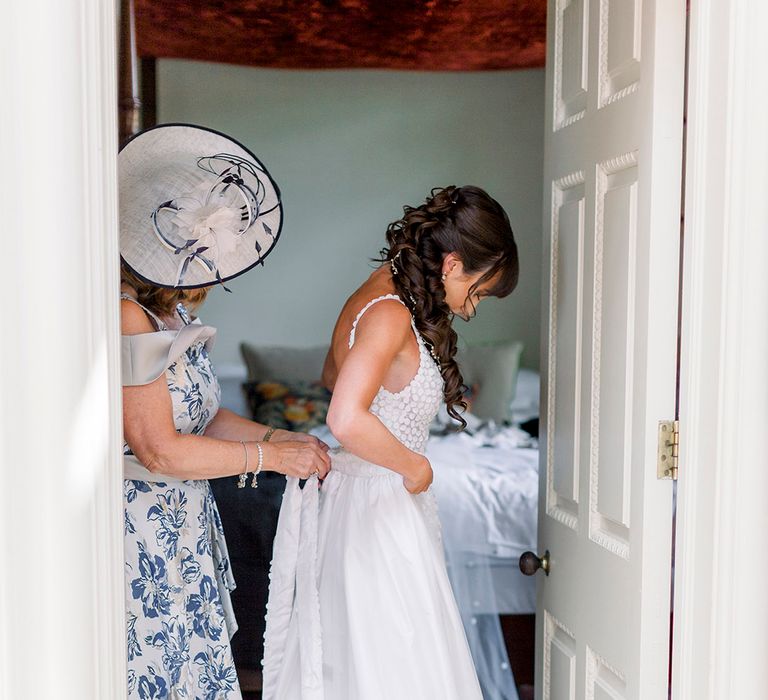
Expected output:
(405, 363)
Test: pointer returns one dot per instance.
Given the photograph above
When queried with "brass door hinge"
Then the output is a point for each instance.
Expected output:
(669, 440)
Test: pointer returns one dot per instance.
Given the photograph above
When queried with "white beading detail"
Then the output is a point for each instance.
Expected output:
(407, 413)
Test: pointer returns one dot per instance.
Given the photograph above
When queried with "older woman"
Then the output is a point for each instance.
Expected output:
(196, 209)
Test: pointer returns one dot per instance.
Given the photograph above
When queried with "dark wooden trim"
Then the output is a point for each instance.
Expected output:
(129, 102)
(148, 92)
(519, 636)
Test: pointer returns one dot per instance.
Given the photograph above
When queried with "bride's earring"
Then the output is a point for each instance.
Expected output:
(443, 276)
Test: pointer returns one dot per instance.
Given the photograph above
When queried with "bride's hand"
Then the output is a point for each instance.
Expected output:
(300, 458)
(421, 480)
(281, 435)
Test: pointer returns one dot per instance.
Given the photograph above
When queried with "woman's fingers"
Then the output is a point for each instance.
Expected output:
(311, 439)
(313, 460)
(321, 462)
(411, 486)
(302, 458)
(419, 486)
(322, 445)
(421, 481)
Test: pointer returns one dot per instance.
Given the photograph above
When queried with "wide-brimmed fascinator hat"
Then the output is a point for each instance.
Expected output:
(196, 207)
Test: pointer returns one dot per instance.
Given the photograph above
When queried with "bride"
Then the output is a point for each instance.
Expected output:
(360, 605)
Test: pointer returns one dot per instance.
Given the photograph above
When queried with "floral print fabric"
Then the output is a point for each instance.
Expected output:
(177, 571)
(296, 406)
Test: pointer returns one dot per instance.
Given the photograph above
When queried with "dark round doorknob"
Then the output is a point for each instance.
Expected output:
(530, 563)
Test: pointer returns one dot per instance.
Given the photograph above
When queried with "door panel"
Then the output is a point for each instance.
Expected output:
(613, 171)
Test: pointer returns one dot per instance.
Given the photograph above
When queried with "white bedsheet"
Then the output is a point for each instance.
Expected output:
(487, 491)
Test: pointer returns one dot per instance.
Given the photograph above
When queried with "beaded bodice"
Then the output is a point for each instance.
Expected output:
(408, 413)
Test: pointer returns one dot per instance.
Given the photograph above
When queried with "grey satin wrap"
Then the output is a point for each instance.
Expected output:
(145, 357)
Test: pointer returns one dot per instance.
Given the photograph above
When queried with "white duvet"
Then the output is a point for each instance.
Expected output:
(486, 485)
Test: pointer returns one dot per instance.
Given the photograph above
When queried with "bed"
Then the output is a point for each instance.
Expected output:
(486, 484)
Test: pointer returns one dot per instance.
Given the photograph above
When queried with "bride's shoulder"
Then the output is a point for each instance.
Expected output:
(372, 305)
(382, 316)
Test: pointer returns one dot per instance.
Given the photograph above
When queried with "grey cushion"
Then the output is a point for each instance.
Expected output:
(492, 369)
(266, 363)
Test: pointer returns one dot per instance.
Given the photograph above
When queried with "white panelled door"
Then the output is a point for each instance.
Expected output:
(613, 173)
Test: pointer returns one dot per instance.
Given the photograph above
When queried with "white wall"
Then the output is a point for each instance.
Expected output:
(348, 150)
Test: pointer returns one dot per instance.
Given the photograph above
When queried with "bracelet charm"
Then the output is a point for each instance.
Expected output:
(244, 476)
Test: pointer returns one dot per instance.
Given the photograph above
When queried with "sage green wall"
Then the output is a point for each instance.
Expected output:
(348, 150)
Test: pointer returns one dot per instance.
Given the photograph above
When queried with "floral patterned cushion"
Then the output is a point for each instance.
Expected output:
(298, 406)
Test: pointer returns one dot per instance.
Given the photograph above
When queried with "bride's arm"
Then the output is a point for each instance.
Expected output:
(381, 335)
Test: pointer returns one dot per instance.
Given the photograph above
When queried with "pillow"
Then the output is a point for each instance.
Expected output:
(298, 406)
(492, 370)
(289, 364)
(525, 402)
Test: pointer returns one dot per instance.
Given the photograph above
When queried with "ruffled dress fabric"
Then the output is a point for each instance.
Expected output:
(177, 573)
(360, 604)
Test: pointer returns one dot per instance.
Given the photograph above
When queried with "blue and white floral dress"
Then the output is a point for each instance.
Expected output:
(177, 573)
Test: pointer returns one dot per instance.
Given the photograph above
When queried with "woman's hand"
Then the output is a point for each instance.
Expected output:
(281, 435)
(421, 480)
(300, 458)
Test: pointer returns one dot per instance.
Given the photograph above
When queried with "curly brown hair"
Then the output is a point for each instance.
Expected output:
(471, 224)
(161, 300)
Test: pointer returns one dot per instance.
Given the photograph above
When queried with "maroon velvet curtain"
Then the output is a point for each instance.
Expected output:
(462, 35)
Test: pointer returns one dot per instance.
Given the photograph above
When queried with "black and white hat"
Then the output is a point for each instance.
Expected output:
(196, 207)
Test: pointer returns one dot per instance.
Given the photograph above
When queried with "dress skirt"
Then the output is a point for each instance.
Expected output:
(360, 606)
(178, 581)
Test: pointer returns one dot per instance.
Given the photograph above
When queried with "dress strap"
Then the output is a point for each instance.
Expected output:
(368, 306)
(160, 325)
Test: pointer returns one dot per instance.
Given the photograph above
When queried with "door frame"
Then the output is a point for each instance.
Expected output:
(720, 566)
(62, 580)
(720, 639)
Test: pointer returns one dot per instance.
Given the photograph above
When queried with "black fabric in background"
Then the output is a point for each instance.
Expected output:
(249, 517)
(531, 427)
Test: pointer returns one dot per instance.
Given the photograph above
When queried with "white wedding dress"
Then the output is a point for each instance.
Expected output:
(360, 605)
